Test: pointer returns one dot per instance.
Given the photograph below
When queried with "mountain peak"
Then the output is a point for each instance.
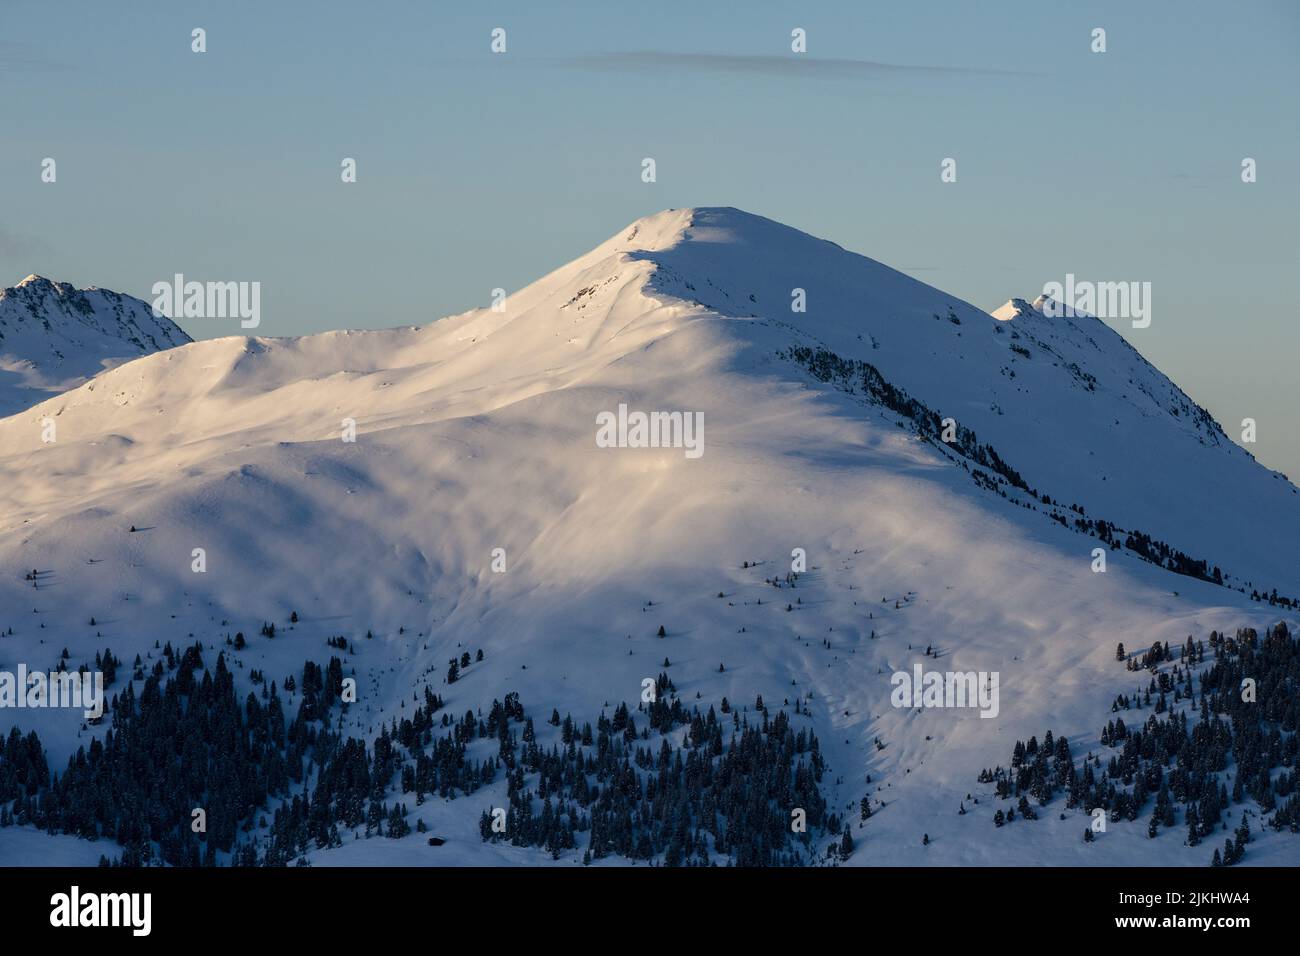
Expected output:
(54, 336)
(708, 224)
(35, 285)
(1012, 309)
(1043, 307)
(1017, 308)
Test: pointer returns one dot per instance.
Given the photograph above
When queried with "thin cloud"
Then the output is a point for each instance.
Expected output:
(791, 65)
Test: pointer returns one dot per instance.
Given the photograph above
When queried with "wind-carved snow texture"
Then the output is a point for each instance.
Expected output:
(477, 432)
(54, 337)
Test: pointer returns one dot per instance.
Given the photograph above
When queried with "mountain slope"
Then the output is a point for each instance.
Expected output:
(1078, 412)
(53, 337)
(477, 433)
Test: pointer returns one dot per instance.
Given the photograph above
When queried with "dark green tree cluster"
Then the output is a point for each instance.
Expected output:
(1238, 719)
(727, 790)
(186, 742)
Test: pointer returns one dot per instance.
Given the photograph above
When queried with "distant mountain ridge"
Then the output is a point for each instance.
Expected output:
(54, 336)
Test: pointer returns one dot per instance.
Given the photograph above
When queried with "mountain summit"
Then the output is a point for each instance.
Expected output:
(54, 336)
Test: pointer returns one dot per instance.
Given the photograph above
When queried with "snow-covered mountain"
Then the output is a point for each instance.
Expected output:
(476, 509)
(54, 337)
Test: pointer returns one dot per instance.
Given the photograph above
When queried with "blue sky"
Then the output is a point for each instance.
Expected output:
(478, 170)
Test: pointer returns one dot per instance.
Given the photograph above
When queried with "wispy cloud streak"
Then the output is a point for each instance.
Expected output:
(791, 65)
